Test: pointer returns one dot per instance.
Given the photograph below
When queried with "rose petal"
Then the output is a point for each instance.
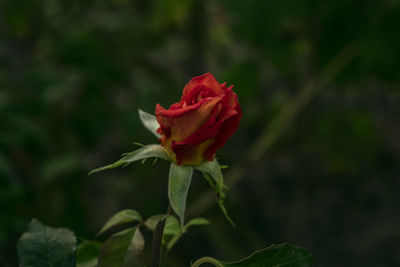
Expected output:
(209, 130)
(228, 127)
(206, 116)
(187, 120)
(206, 80)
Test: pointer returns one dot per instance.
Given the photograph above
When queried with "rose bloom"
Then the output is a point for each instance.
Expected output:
(193, 129)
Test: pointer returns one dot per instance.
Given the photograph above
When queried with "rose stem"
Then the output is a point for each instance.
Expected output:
(164, 251)
(157, 239)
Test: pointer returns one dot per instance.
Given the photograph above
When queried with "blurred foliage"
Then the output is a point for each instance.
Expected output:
(74, 73)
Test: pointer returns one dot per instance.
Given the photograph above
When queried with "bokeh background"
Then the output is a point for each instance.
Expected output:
(315, 162)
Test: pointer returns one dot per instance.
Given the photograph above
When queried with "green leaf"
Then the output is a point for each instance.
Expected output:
(282, 255)
(150, 122)
(87, 254)
(195, 221)
(172, 226)
(178, 235)
(178, 187)
(44, 246)
(147, 151)
(211, 171)
(124, 249)
(124, 216)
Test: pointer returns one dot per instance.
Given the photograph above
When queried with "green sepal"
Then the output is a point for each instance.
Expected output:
(150, 122)
(225, 212)
(178, 187)
(211, 171)
(143, 153)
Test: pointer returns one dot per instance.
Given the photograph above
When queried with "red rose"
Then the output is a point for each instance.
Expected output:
(194, 128)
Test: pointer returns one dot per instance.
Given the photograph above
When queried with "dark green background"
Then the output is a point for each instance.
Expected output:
(74, 73)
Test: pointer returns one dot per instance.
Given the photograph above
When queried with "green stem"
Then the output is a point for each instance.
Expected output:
(173, 240)
(157, 241)
(207, 260)
(164, 256)
(165, 249)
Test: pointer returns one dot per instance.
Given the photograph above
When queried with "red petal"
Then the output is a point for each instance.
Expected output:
(185, 121)
(206, 80)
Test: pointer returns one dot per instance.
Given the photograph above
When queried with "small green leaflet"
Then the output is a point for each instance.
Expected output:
(150, 122)
(124, 249)
(124, 216)
(178, 187)
(87, 253)
(193, 222)
(143, 153)
(282, 255)
(172, 230)
(172, 226)
(42, 246)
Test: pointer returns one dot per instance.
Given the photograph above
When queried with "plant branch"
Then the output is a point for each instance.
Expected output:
(157, 243)
(207, 260)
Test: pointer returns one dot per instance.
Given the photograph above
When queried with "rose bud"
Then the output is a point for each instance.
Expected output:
(193, 129)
